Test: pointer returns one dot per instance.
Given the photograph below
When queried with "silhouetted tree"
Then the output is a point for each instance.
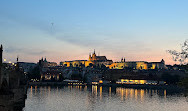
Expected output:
(61, 78)
(82, 65)
(70, 64)
(103, 67)
(53, 79)
(184, 83)
(76, 76)
(170, 79)
(181, 56)
(34, 73)
(150, 75)
(90, 65)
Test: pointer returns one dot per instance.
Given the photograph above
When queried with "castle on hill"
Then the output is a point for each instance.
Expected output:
(102, 60)
(93, 60)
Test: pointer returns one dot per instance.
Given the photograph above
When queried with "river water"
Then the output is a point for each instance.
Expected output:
(98, 98)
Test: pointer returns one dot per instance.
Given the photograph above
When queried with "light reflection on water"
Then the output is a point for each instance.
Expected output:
(99, 98)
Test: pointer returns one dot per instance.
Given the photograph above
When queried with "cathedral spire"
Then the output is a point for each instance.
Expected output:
(94, 51)
(162, 61)
(45, 59)
(17, 59)
(1, 54)
(89, 56)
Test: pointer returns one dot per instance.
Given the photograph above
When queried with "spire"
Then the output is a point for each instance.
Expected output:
(1, 56)
(94, 51)
(1, 47)
(162, 61)
(17, 66)
(45, 60)
(89, 56)
(17, 59)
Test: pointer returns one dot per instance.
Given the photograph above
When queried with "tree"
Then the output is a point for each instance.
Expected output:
(70, 64)
(82, 65)
(184, 83)
(34, 73)
(90, 65)
(181, 56)
(170, 79)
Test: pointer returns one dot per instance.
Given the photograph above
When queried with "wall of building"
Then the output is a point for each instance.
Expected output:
(137, 65)
(76, 63)
(130, 81)
(141, 65)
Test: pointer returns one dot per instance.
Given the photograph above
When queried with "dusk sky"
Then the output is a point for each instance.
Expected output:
(139, 30)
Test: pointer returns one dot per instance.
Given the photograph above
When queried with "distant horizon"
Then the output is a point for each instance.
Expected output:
(139, 30)
(77, 59)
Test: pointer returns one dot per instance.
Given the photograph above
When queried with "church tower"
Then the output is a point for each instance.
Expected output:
(162, 61)
(122, 59)
(1, 56)
(1, 62)
(94, 56)
(89, 57)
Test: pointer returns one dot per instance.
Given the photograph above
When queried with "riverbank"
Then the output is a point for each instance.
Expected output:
(136, 86)
(15, 101)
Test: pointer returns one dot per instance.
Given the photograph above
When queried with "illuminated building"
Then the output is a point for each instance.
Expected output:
(99, 60)
(49, 70)
(75, 63)
(139, 79)
(102, 60)
(51, 75)
(131, 81)
(93, 60)
(141, 65)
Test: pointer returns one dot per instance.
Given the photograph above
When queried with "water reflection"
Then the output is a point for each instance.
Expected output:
(124, 93)
(128, 93)
(97, 98)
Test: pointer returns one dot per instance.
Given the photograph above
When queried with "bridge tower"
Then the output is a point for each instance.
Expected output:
(1, 63)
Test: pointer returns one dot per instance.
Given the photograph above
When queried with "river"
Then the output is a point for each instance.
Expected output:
(100, 98)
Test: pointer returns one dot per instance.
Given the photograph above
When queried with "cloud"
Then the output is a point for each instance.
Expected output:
(25, 51)
(72, 34)
(82, 36)
(81, 40)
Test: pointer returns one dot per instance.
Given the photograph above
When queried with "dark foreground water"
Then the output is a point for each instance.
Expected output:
(98, 98)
